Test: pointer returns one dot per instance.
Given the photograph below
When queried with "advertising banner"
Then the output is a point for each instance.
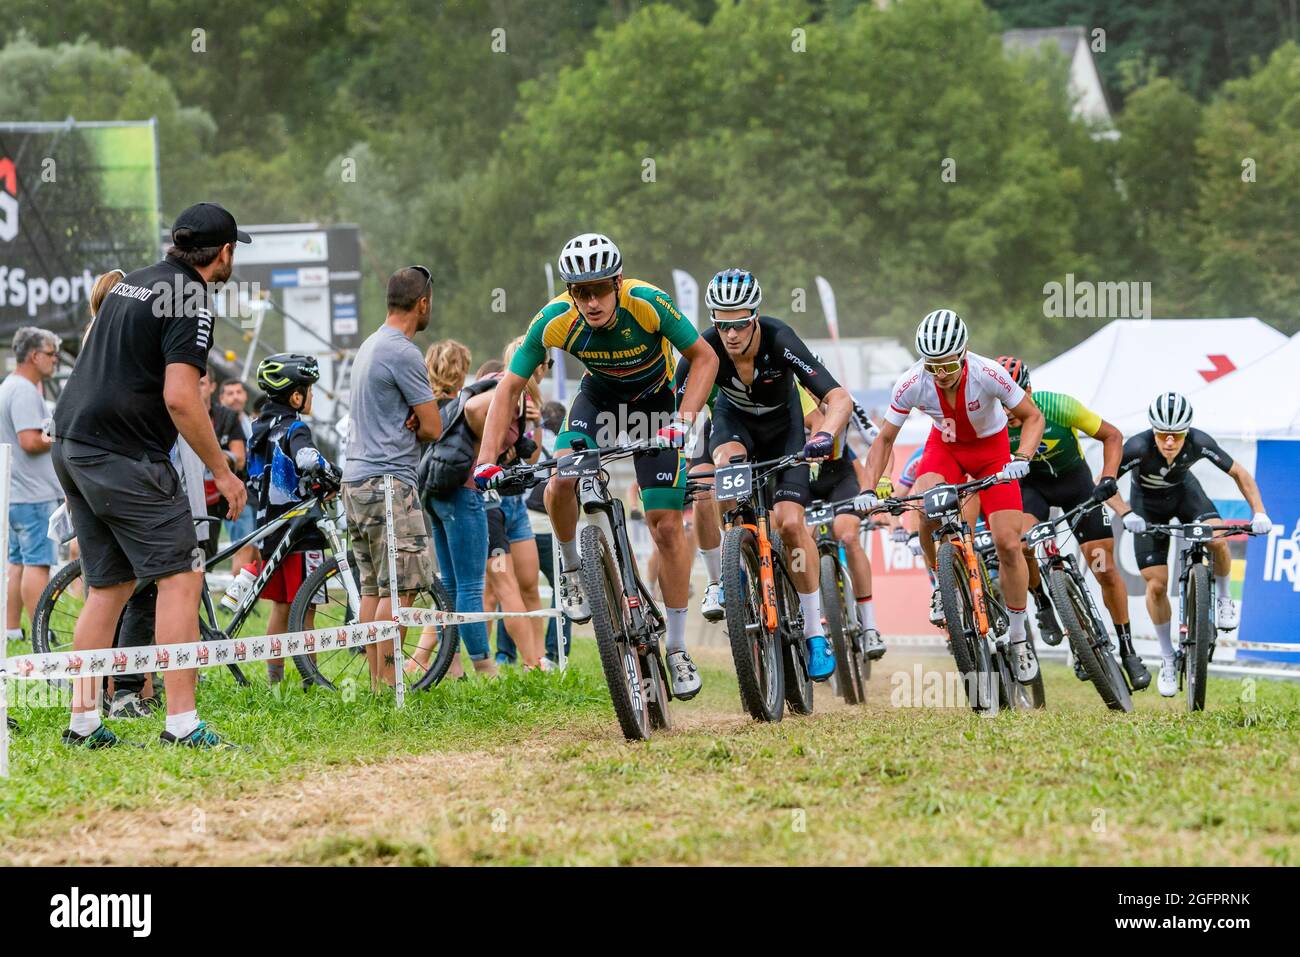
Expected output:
(1270, 599)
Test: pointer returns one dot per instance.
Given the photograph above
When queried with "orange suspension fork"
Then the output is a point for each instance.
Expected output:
(967, 545)
(766, 576)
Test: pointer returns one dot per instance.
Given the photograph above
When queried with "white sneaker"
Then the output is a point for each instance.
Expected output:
(683, 675)
(875, 644)
(936, 609)
(1026, 661)
(1228, 616)
(1167, 683)
(572, 600)
(711, 607)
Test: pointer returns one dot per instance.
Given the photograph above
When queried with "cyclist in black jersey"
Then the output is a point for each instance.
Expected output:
(757, 414)
(1163, 488)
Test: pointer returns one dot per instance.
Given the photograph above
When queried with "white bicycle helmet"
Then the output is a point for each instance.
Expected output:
(941, 333)
(589, 257)
(733, 289)
(1170, 412)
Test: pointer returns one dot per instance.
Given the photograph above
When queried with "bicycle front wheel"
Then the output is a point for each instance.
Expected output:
(623, 665)
(1200, 633)
(1088, 641)
(322, 603)
(969, 649)
(755, 650)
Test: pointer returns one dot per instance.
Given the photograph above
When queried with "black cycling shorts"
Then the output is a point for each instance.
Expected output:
(768, 437)
(1040, 493)
(702, 445)
(605, 422)
(1187, 504)
(132, 515)
(835, 482)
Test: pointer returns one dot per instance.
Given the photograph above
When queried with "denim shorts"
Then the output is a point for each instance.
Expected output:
(515, 512)
(243, 525)
(29, 541)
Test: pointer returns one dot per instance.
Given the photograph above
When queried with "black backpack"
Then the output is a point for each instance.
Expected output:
(447, 463)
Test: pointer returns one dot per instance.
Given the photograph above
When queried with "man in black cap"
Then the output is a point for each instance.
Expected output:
(134, 387)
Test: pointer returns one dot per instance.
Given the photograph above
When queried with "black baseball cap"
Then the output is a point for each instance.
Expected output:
(209, 225)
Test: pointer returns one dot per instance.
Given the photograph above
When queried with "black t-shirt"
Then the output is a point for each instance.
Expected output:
(1155, 475)
(782, 358)
(114, 398)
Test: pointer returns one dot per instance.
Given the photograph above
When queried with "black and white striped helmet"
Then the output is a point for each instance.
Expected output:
(733, 289)
(589, 257)
(1170, 412)
(941, 333)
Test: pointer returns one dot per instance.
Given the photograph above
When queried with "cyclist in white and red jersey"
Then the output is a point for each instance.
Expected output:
(968, 396)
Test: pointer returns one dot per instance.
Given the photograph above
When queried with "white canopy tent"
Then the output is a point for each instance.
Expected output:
(1117, 370)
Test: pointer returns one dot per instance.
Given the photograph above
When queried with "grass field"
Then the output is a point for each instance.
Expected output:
(531, 769)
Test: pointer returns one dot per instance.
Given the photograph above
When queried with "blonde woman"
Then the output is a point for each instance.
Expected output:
(458, 521)
(513, 559)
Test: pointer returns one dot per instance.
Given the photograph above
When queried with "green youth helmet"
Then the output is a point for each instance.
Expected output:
(283, 373)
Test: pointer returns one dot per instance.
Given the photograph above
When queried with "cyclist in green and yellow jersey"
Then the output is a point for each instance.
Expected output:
(623, 331)
(1059, 476)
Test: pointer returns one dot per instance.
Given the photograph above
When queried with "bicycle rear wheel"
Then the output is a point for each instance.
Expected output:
(322, 603)
(969, 650)
(619, 656)
(1200, 633)
(755, 650)
(848, 671)
(1088, 640)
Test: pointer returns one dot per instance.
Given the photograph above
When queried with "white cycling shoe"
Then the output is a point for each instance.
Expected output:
(1167, 683)
(936, 609)
(1227, 616)
(1026, 661)
(711, 607)
(572, 601)
(875, 644)
(684, 676)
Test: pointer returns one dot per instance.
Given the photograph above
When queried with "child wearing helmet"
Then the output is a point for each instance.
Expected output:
(284, 468)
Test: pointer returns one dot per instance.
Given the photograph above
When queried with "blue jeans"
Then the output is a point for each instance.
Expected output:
(506, 652)
(460, 537)
(29, 541)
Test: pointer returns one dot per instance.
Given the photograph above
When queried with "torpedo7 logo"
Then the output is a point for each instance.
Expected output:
(8, 200)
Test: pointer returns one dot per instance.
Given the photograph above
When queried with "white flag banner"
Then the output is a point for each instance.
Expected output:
(687, 294)
(827, 295)
(558, 371)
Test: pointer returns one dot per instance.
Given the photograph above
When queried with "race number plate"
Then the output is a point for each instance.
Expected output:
(1041, 533)
(819, 514)
(582, 464)
(940, 500)
(984, 541)
(733, 481)
(1198, 532)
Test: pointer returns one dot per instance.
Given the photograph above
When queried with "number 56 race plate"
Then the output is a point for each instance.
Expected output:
(733, 481)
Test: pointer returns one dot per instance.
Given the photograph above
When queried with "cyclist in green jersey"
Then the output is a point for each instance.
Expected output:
(623, 331)
(1059, 476)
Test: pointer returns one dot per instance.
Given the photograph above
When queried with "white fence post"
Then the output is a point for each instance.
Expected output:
(394, 597)
(6, 463)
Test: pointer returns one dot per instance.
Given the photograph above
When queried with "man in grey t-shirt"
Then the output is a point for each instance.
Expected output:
(392, 412)
(34, 489)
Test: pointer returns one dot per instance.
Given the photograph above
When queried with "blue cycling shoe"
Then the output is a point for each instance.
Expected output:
(821, 660)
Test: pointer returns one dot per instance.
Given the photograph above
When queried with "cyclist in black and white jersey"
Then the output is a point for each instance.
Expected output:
(1164, 488)
(757, 414)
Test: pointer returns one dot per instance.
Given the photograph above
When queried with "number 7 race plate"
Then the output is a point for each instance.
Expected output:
(579, 465)
(733, 481)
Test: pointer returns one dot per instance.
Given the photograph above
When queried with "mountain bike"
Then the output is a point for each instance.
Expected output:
(839, 613)
(973, 615)
(1197, 631)
(764, 619)
(628, 623)
(983, 540)
(61, 602)
(1076, 610)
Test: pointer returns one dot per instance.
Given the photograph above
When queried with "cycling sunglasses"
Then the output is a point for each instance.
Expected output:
(592, 290)
(945, 368)
(733, 325)
(1160, 436)
(428, 279)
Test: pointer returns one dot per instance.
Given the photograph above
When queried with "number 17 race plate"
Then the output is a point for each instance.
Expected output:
(733, 481)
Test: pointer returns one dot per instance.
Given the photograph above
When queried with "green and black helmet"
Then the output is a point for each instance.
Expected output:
(283, 373)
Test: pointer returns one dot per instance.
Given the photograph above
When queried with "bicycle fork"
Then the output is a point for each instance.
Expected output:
(766, 576)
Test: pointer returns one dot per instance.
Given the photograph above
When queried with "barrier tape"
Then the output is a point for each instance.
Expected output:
(1293, 647)
(394, 592)
(436, 616)
(109, 662)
